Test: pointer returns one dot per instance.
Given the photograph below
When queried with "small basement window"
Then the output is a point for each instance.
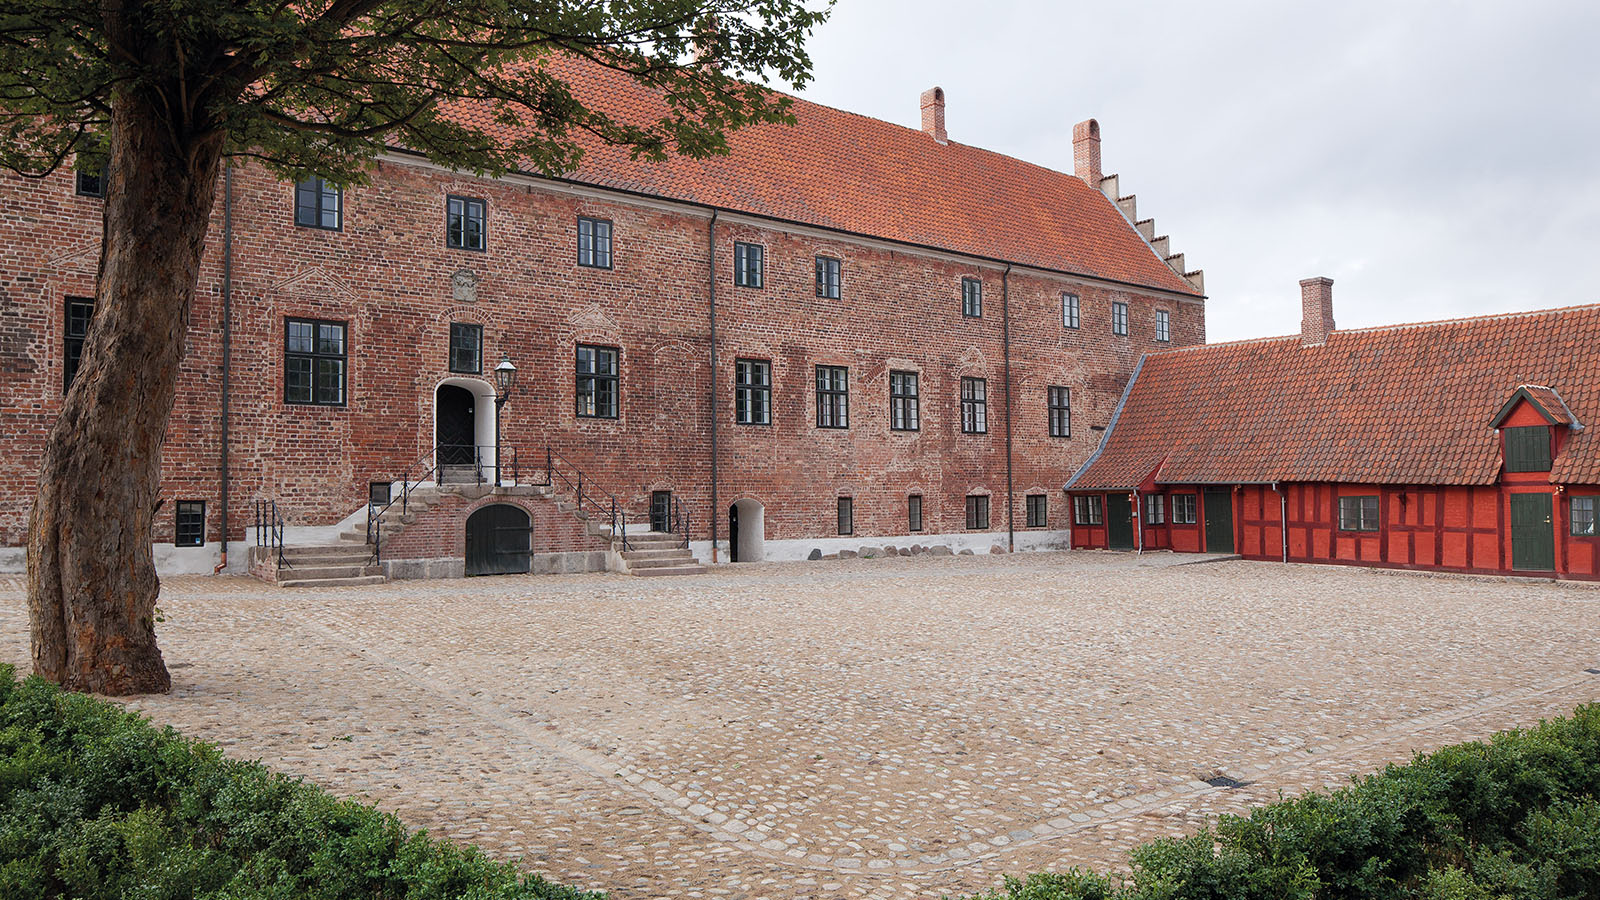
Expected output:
(191, 525)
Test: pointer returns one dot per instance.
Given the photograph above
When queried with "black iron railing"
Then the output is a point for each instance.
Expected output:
(269, 530)
(477, 464)
(561, 474)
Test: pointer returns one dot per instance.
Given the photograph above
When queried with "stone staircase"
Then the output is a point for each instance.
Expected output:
(655, 553)
(329, 565)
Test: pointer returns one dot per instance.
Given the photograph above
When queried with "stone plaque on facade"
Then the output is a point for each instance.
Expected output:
(464, 286)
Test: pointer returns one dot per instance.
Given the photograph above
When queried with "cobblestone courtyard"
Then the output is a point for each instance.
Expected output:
(857, 728)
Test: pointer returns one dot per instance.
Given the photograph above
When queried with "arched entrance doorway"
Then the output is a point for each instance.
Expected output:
(747, 530)
(499, 541)
(455, 430)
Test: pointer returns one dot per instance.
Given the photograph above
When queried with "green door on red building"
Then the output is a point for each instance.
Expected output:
(1533, 536)
(1219, 520)
(1119, 522)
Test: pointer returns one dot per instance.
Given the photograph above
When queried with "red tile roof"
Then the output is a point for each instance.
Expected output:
(1544, 399)
(850, 173)
(1408, 404)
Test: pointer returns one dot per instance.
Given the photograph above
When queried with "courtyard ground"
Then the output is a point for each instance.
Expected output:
(855, 728)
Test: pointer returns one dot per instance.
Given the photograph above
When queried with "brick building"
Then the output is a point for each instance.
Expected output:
(1463, 445)
(845, 333)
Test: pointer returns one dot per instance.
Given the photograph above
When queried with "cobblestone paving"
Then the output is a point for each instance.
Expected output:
(855, 728)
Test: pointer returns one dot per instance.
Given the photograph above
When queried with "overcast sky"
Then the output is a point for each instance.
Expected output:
(1435, 159)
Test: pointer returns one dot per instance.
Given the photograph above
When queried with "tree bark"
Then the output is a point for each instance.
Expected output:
(92, 582)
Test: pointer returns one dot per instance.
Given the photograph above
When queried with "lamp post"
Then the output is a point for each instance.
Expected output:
(505, 381)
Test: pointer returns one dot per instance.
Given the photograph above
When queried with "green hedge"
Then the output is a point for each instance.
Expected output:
(1514, 818)
(97, 804)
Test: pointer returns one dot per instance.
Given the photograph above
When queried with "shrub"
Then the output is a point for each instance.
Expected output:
(1515, 818)
(97, 804)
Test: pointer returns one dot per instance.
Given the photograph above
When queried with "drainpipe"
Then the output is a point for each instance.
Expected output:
(1005, 342)
(1283, 519)
(1138, 522)
(711, 280)
(227, 345)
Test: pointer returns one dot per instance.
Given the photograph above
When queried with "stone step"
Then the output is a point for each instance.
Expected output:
(695, 569)
(323, 572)
(672, 552)
(333, 582)
(653, 537)
(357, 556)
(661, 562)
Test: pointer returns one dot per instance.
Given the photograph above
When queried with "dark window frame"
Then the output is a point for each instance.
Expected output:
(974, 405)
(1359, 513)
(318, 188)
(89, 184)
(595, 251)
(457, 349)
(1155, 509)
(1088, 510)
(914, 512)
(595, 378)
(972, 298)
(1059, 402)
(978, 507)
(1119, 318)
(845, 510)
(830, 277)
(746, 391)
(905, 407)
(1071, 311)
(1038, 510)
(1185, 509)
(189, 533)
(1592, 515)
(833, 400)
(450, 239)
(314, 356)
(1528, 448)
(749, 265)
(73, 339)
(1163, 326)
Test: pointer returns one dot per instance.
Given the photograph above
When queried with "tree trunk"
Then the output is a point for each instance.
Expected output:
(91, 575)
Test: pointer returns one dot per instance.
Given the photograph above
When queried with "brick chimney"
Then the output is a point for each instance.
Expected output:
(933, 114)
(1316, 311)
(1086, 152)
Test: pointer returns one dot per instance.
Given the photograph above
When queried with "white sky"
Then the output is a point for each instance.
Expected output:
(1435, 159)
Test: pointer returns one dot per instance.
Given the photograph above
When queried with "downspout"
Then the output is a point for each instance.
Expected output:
(227, 345)
(711, 280)
(1005, 342)
(1283, 519)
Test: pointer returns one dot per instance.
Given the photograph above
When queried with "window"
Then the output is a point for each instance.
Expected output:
(466, 223)
(1069, 310)
(833, 397)
(904, 404)
(847, 516)
(80, 312)
(1155, 510)
(1528, 449)
(914, 512)
(597, 382)
(1119, 318)
(1163, 325)
(828, 277)
(466, 348)
(1358, 513)
(971, 298)
(379, 493)
(977, 511)
(1583, 516)
(191, 528)
(1087, 510)
(747, 264)
(974, 406)
(1060, 412)
(90, 184)
(1183, 509)
(752, 391)
(318, 204)
(313, 362)
(594, 243)
(1037, 511)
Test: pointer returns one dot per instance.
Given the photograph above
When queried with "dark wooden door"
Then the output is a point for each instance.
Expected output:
(455, 430)
(1119, 522)
(733, 533)
(1533, 536)
(499, 541)
(1219, 520)
(660, 510)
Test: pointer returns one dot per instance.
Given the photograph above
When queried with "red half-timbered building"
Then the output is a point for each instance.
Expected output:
(1465, 445)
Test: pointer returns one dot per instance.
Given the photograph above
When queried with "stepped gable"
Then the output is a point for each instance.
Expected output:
(1406, 404)
(846, 172)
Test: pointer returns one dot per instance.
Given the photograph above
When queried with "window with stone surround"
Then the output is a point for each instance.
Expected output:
(598, 382)
(314, 358)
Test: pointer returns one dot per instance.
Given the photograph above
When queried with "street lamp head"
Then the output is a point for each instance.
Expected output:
(505, 377)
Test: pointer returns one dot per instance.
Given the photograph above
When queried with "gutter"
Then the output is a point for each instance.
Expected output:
(1005, 342)
(711, 281)
(1283, 519)
(227, 346)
